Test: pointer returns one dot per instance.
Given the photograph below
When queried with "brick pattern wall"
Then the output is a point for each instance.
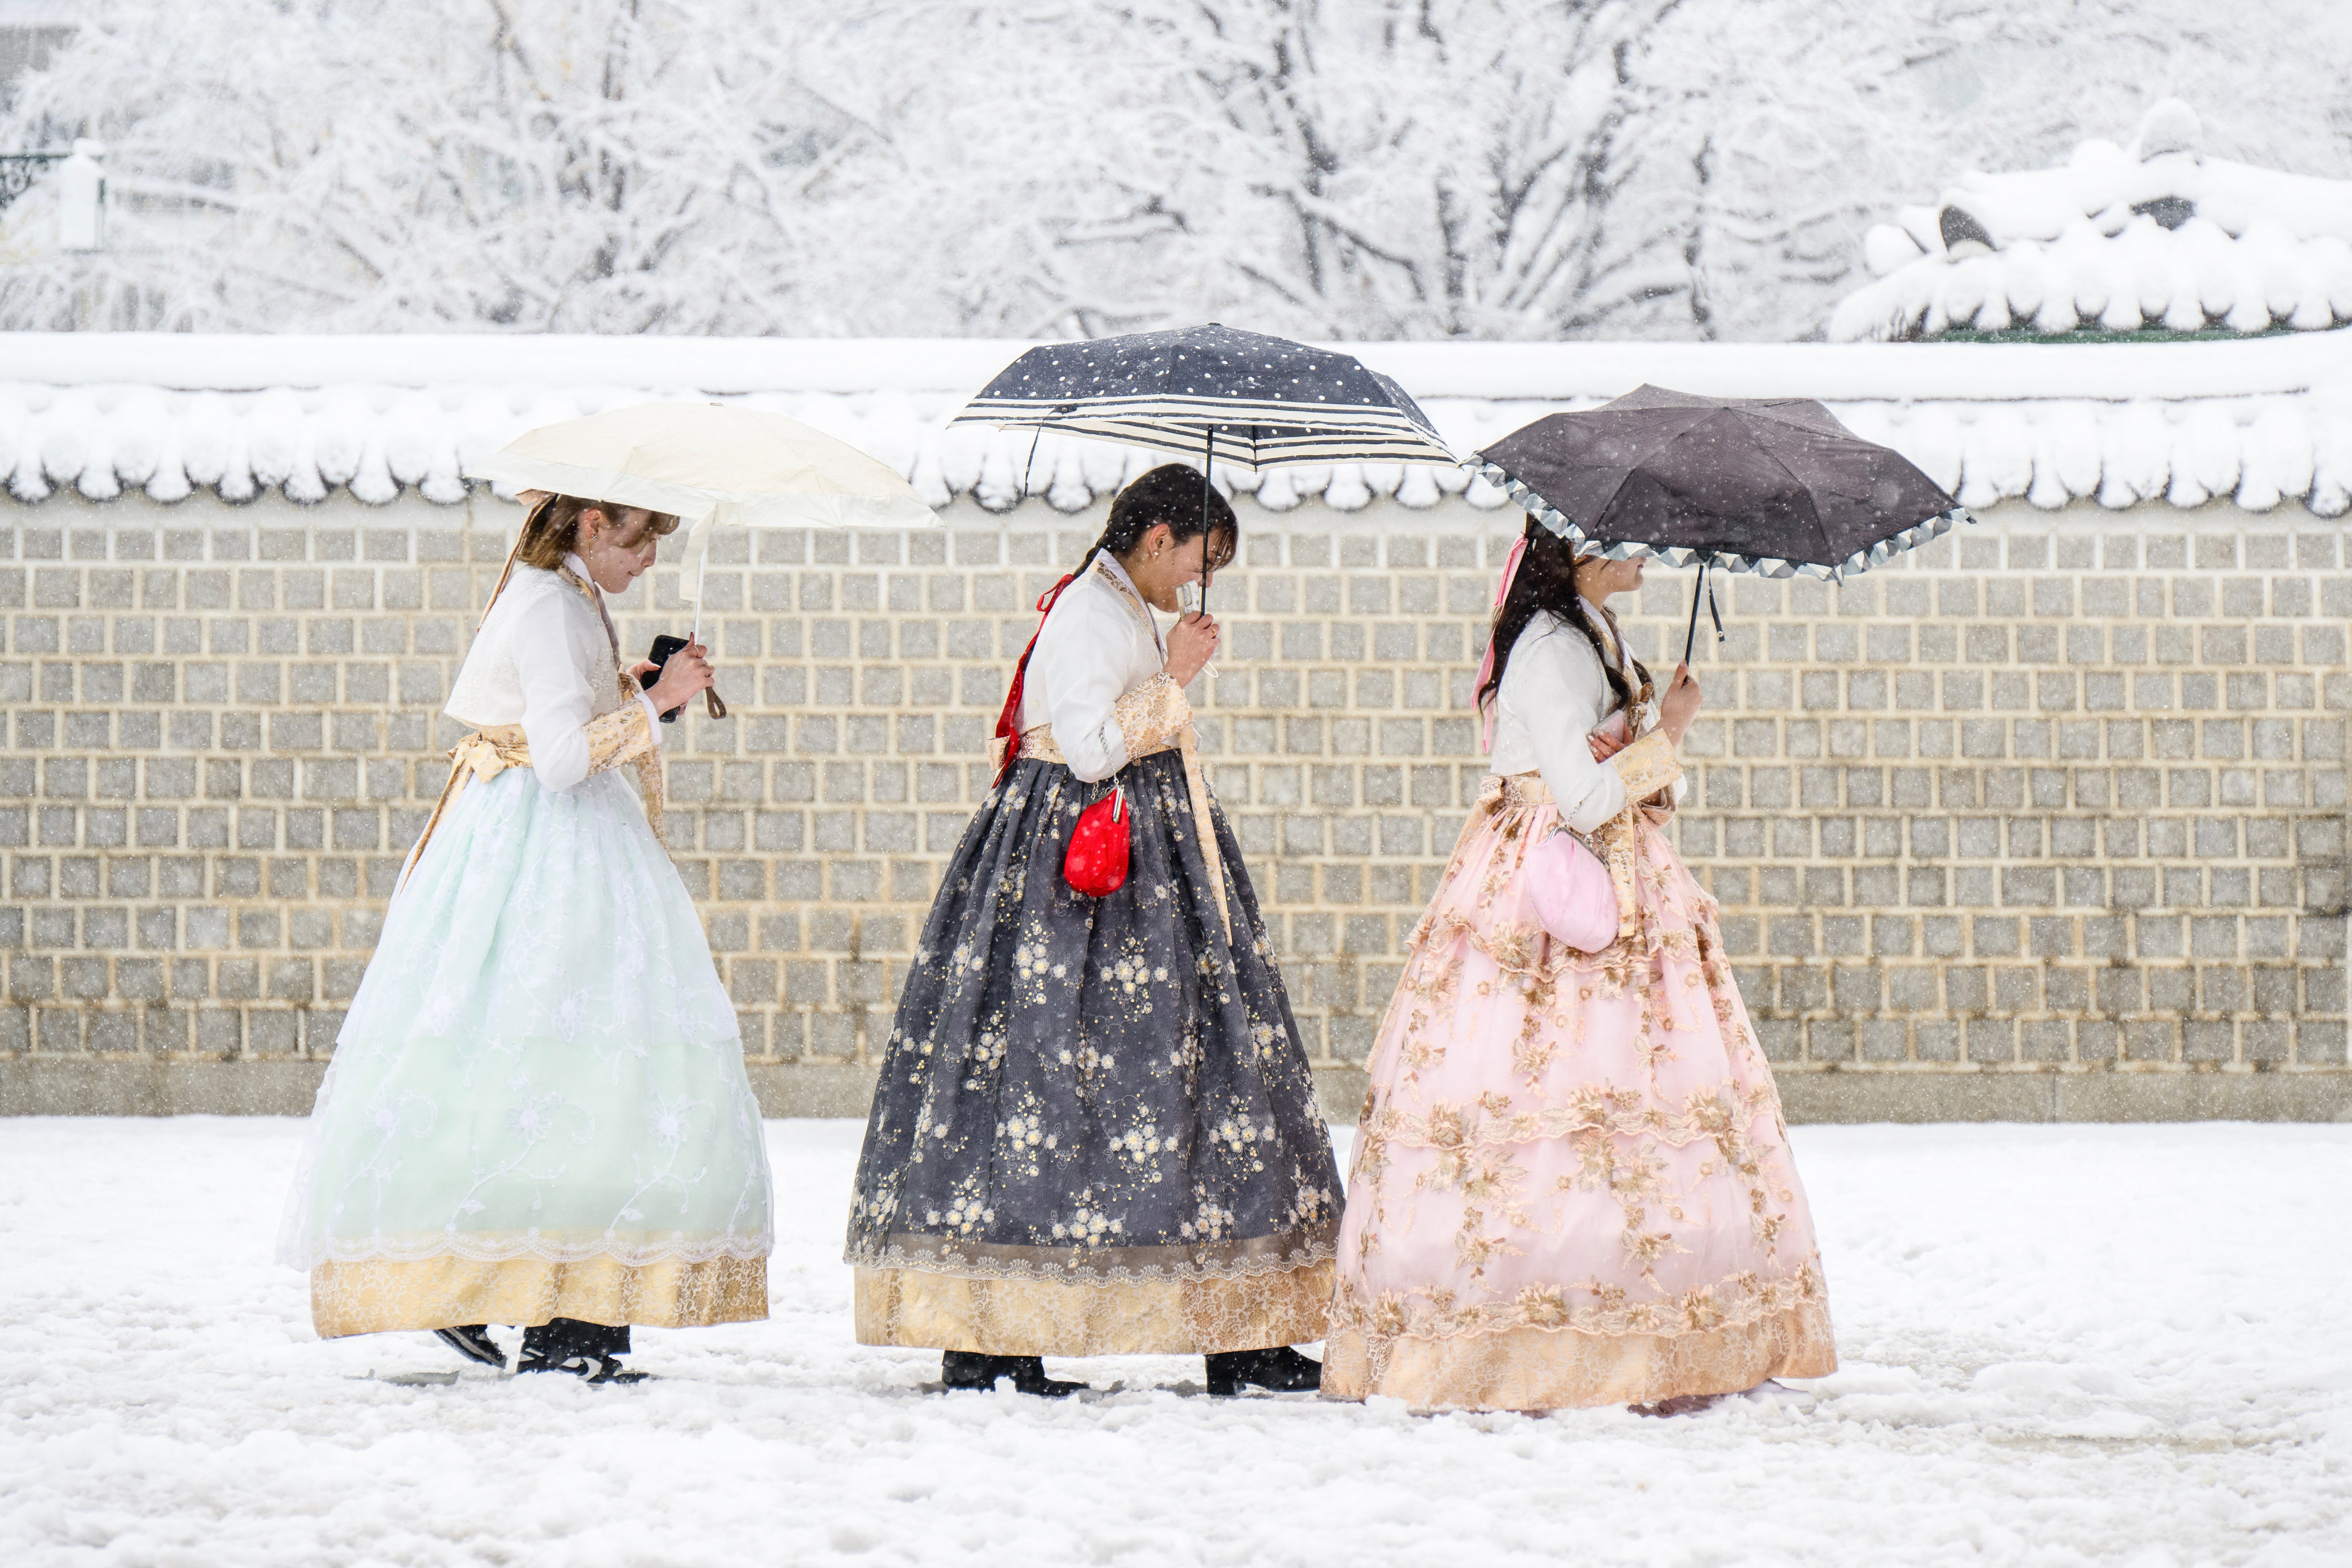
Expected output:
(2066, 790)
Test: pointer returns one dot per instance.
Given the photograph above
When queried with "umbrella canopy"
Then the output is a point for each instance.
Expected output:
(710, 463)
(1773, 486)
(1216, 393)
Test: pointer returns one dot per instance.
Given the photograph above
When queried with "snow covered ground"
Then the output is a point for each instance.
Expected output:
(2063, 1344)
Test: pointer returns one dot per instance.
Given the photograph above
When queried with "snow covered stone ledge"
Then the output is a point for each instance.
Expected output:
(2262, 423)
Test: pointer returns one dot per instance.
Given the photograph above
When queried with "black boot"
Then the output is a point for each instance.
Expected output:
(592, 1351)
(969, 1369)
(473, 1342)
(1279, 1370)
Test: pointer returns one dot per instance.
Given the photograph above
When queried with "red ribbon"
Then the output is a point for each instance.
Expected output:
(1008, 723)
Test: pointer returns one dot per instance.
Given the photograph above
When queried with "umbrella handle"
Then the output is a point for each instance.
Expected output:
(1698, 589)
(1701, 589)
(1208, 456)
(701, 571)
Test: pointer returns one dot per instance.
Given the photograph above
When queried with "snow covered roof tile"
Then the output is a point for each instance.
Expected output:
(2153, 238)
(2263, 421)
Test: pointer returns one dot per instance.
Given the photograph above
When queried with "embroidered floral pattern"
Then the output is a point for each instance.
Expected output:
(1097, 1094)
(1559, 1148)
(541, 1004)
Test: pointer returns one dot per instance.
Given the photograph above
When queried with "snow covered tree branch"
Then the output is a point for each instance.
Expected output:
(1334, 168)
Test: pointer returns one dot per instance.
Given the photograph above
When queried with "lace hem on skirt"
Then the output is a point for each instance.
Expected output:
(380, 1294)
(1551, 1368)
(1094, 1266)
(1041, 1317)
(491, 1247)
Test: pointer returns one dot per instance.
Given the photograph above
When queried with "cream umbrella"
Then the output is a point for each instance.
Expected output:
(711, 464)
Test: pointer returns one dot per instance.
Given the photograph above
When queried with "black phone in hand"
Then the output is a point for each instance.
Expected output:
(664, 645)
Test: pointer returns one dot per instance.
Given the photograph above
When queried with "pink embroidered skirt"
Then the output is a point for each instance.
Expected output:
(1571, 1186)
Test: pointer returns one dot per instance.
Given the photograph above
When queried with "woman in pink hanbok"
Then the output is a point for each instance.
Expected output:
(1572, 1185)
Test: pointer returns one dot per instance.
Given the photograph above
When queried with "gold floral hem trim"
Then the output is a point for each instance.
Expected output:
(916, 1308)
(1553, 1369)
(381, 1294)
(1732, 1303)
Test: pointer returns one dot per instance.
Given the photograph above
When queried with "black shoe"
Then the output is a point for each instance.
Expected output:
(591, 1368)
(1279, 1370)
(474, 1342)
(969, 1369)
(592, 1351)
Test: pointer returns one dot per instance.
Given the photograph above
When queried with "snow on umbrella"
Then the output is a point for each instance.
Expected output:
(1213, 391)
(1773, 486)
(709, 463)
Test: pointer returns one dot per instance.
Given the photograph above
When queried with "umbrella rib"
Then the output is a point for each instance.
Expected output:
(1820, 529)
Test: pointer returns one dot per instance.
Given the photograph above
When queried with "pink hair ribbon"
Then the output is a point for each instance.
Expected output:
(1486, 663)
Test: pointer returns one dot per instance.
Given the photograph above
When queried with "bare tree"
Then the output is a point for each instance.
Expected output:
(1340, 168)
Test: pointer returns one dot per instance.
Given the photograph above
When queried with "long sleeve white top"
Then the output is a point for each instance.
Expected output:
(1553, 696)
(1098, 643)
(545, 658)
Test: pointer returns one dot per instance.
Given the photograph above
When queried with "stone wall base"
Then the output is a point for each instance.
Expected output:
(207, 1085)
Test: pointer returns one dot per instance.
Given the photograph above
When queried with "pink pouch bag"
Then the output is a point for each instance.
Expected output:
(1574, 899)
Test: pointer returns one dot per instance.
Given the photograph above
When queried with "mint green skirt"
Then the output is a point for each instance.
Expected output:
(541, 1069)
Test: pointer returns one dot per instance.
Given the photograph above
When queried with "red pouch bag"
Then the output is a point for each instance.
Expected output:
(1097, 861)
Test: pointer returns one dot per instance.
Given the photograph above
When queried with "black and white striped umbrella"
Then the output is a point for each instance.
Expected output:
(1214, 392)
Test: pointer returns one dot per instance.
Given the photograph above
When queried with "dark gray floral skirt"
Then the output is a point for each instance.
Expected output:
(1095, 1130)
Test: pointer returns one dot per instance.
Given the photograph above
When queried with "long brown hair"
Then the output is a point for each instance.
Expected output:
(551, 528)
(1547, 581)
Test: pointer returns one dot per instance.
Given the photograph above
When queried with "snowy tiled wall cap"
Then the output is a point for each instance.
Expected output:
(2155, 236)
(2266, 423)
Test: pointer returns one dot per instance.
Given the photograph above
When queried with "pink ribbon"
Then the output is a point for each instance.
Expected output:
(1486, 663)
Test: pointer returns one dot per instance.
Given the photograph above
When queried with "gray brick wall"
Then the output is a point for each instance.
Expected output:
(2062, 798)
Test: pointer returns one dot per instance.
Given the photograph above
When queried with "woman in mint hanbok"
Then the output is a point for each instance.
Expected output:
(537, 1112)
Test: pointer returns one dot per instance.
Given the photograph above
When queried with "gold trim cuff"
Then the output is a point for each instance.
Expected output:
(1153, 715)
(1647, 766)
(622, 735)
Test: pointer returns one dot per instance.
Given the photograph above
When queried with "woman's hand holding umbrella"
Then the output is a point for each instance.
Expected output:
(1675, 710)
(1680, 705)
(1192, 643)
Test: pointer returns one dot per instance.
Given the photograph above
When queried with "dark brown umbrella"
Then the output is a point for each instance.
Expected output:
(1769, 485)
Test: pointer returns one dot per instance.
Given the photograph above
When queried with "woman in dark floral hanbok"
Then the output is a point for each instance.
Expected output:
(1096, 1132)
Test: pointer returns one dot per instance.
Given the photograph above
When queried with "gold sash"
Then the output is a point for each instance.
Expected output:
(1038, 742)
(487, 752)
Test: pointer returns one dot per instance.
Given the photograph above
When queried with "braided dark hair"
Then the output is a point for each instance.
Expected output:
(1171, 493)
(1547, 581)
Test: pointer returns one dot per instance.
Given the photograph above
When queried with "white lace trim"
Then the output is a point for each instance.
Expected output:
(481, 1248)
(1068, 1266)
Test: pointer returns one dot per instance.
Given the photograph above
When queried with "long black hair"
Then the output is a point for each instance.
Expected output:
(1171, 493)
(1547, 581)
